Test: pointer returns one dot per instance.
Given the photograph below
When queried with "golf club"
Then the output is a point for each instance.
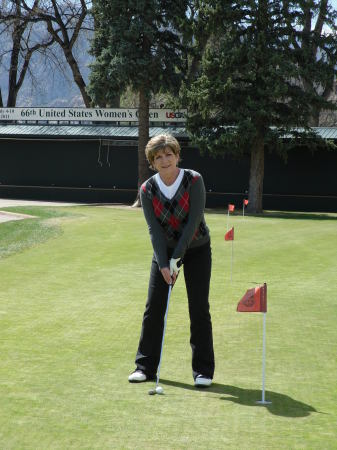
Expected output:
(158, 389)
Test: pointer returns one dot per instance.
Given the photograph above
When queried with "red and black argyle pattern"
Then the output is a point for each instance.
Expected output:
(172, 214)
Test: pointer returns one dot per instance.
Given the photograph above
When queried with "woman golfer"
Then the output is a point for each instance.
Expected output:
(173, 202)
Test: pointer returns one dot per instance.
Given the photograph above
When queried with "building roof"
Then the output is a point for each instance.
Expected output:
(85, 132)
(326, 132)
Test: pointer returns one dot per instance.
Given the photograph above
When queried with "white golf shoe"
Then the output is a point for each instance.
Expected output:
(137, 376)
(202, 381)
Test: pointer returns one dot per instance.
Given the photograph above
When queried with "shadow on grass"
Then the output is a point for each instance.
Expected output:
(282, 405)
(295, 215)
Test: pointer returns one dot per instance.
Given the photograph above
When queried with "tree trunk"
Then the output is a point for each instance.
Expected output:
(256, 175)
(12, 94)
(314, 119)
(13, 68)
(143, 138)
(115, 102)
(196, 60)
(77, 76)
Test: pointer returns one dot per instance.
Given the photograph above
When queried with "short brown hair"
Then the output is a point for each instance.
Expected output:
(158, 143)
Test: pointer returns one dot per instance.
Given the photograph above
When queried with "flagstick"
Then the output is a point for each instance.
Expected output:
(243, 210)
(263, 401)
(232, 260)
(227, 218)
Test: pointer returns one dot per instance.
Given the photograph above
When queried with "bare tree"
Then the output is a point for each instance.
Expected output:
(26, 39)
(37, 26)
(318, 18)
(65, 19)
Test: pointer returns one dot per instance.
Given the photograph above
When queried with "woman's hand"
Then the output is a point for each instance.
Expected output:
(165, 271)
(174, 268)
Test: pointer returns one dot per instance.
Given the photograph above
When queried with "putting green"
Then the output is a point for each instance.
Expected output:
(73, 289)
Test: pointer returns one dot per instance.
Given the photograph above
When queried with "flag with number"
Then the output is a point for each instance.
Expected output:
(254, 300)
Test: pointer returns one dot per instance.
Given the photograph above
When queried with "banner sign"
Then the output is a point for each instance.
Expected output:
(91, 114)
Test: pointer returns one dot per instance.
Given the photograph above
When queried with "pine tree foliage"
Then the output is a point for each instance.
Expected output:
(138, 45)
(251, 91)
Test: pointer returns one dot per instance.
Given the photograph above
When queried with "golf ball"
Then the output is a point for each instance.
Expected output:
(159, 390)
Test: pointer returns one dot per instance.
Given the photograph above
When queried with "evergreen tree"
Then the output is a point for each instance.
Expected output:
(138, 44)
(250, 93)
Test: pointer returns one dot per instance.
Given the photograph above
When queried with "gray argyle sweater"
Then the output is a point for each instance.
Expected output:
(178, 222)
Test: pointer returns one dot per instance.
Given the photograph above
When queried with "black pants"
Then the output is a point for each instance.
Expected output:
(197, 272)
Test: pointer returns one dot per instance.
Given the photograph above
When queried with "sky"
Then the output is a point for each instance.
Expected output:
(333, 3)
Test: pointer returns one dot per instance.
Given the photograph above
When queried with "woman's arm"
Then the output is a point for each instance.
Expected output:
(156, 232)
(197, 207)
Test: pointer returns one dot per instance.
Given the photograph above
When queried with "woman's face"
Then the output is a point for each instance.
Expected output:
(165, 161)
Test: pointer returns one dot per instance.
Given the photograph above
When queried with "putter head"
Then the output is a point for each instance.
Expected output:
(157, 390)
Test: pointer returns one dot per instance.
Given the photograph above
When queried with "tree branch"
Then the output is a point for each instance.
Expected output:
(79, 24)
(320, 22)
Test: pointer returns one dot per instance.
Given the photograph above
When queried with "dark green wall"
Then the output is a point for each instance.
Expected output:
(85, 171)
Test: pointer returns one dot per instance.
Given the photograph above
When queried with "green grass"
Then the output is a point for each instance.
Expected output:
(16, 237)
(71, 306)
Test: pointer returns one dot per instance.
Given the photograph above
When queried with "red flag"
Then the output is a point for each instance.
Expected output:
(229, 236)
(245, 202)
(254, 300)
(231, 207)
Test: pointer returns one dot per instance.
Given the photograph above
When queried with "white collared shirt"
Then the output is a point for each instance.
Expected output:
(169, 191)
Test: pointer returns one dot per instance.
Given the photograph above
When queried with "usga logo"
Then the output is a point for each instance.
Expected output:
(175, 115)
